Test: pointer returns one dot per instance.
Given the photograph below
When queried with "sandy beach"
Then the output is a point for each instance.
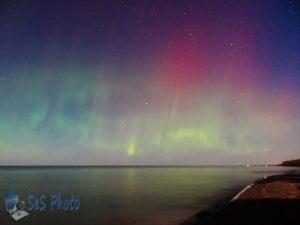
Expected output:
(270, 200)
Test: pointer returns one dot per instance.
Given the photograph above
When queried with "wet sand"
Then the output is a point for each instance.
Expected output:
(272, 200)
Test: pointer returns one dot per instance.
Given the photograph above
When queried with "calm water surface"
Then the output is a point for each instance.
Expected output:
(126, 195)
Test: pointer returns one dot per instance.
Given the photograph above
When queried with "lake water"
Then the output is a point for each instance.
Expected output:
(126, 195)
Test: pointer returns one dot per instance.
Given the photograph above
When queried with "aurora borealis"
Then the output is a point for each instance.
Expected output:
(149, 82)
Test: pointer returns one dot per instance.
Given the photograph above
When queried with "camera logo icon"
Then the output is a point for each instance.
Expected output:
(14, 206)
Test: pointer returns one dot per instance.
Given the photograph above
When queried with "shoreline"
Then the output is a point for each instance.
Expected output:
(255, 194)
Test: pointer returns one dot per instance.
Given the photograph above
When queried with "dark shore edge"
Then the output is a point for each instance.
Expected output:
(219, 205)
(211, 210)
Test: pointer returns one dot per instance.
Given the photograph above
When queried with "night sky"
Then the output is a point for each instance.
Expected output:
(149, 82)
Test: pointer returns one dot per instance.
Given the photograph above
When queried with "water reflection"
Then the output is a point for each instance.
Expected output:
(129, 195)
